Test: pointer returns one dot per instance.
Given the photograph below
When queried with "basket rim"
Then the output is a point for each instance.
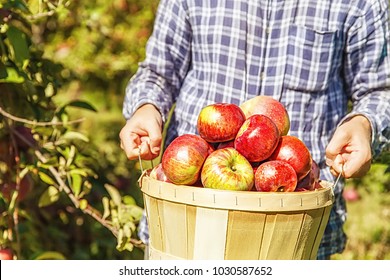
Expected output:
(238, 200)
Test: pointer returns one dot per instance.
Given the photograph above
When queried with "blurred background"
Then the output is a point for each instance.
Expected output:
(67, 189)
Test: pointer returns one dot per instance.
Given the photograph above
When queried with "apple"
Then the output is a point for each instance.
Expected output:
(158, 173)
(227, 169)
(275, 176)
(272, 108)
(311, 178)
(294, 151)
(351, 194)
(257, 138)
(220, 122)
(6, 254)
(183, 158)
(226, 144)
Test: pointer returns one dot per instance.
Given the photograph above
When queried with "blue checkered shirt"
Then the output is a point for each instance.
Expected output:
(313, 55)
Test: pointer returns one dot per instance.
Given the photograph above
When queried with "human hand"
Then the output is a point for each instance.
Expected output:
(142, 134)
(349, 150)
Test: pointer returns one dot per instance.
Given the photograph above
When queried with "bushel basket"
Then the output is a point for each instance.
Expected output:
(187, 222)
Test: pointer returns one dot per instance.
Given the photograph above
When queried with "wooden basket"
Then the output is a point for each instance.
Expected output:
(188, 222)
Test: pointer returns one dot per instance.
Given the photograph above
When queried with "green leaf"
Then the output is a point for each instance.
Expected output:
(82, 104)
(50, 196)
(12, 76)
(129, 200)
(19, 44)
(46, 178)
(73, 135)
(78, 171)
(106, 207)
(71, 155)
(114, 193)
(50, 255)
(76, 183)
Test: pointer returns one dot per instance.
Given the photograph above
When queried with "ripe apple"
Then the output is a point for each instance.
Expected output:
(220, 122)
(257, 138)
(293, 150)
(270, 107)
(6, 254)
(226, 144)
(310, 179)
(183, 159)
(351, 194)
(275, 176)
(227, 169)
(157, 173)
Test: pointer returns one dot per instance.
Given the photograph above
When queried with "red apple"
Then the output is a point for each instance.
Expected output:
(158, 173)
(311, 178)
(257, 138)
(294, 151)
(351, 194)
(220, 122)
(227, 169)
(6, 254)
(275, 176)
(272, 108)
(226, 144)
(183, 158)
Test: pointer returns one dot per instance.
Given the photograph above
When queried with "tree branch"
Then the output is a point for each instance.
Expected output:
(26, 121)
(62, 186)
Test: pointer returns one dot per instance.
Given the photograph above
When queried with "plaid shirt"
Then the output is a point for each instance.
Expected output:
(313, 55)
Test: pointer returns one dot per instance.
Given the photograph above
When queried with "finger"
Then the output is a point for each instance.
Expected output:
(130, 145)
(145, 149)
(338, 164)
(356, 165)
(154, 138)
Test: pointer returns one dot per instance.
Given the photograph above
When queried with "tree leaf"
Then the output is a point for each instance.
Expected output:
(114, 193)
(106, 207)
(50, 255)
(46, 178)
(12, 77)
(19, 44)
(73, 135)
(76, 184)
(82, 104)
(50, 196)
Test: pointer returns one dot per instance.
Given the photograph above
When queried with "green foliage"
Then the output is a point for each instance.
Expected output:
(69, 210)
(63, 68)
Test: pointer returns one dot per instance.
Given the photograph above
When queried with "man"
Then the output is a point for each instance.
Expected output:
(314, 56)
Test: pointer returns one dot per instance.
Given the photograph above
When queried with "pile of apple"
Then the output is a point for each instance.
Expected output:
(243, 148)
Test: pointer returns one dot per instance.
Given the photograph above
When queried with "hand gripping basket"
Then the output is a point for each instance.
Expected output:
(187, 222)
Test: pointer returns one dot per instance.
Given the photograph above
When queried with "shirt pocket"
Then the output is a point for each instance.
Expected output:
(309, 59)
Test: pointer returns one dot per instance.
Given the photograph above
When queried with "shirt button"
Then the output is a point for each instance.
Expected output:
(262, 76)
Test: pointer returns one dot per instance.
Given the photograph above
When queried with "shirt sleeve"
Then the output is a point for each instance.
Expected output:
(159, 77)
(367, 71)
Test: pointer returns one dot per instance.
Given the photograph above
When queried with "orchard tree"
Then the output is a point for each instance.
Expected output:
(47, 175)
